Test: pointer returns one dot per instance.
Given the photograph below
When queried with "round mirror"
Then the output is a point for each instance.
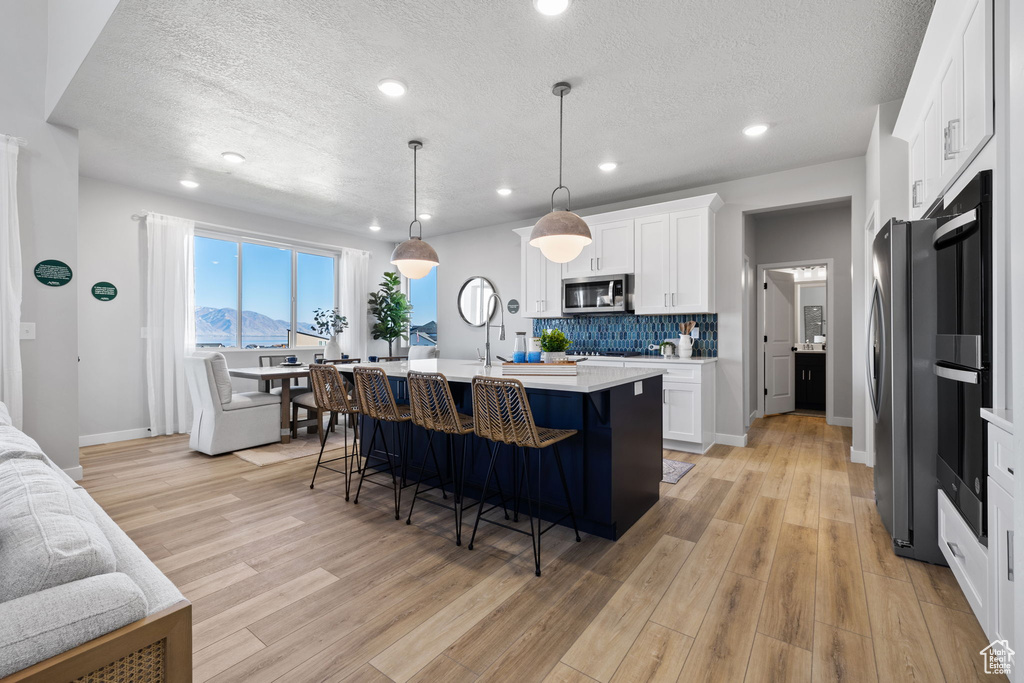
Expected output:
(475, 303)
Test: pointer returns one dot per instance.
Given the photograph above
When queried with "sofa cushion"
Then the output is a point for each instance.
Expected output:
(159, 591)
(16, 444)
(252, 399)
(5, 415)
(38, 626)
(48, 537)
(221, 378)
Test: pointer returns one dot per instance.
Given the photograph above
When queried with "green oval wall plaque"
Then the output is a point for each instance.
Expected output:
(104, 291)
(53, 273)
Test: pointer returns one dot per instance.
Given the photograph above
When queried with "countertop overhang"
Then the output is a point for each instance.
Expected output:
(588, 379)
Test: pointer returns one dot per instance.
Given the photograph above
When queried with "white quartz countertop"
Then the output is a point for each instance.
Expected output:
(589, 379)
(1000, 417)
(700, 360)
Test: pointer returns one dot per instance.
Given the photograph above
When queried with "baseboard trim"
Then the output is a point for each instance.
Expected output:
(753, 416)
(111, 437)
(738, 440)
(861, 457)
(840, 421)
(75, 473)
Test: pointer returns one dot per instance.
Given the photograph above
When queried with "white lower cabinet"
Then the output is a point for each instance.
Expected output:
(680, 410)
(967, 557)
(687, 401)
(1001, 563)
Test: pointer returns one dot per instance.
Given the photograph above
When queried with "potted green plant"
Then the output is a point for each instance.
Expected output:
(392, 310)
(553, 344)
(668, 348)
(329, 322)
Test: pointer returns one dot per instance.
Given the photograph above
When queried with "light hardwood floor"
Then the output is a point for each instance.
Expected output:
(764, 563)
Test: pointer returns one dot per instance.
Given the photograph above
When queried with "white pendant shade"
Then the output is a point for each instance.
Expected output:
(414, 270)
(561, 236)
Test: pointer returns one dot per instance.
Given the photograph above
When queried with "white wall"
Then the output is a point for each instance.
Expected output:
(493, 252)
(111, 397)
(48, 210)
(815, 235)
(73, 27)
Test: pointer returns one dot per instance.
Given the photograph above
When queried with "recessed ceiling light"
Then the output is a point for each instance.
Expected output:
(375, 228)
(755, 130)
(424, 216)
(504, 191)
(233, 157)
(551, 7)
(392, 87)
(190, 184)
(608, 166)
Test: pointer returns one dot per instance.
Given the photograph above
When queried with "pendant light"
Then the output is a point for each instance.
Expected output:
(561, 235)
(414, 257)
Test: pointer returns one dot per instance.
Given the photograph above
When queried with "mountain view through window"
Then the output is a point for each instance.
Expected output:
(265, 274)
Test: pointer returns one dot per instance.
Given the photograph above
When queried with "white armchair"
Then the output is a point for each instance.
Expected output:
(422, 352)
(224, 421)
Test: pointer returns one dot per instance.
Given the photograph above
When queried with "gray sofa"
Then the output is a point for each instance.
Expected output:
(69, 576)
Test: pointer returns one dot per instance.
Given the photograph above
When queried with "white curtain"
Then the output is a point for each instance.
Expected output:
(170, 321)
(10, 281)
(353, 288)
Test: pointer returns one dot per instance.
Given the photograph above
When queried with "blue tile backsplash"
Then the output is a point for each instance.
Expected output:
(631, 332)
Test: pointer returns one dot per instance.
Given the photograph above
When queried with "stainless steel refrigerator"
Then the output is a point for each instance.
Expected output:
(902, 386)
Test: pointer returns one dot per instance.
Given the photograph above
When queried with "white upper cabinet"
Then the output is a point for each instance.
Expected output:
(541, 281)
(674, 262)
(947, 114)
(611, 252)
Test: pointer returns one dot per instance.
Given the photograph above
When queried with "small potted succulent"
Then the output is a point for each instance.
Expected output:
(553, 344)
(329, 322)
(668, 348)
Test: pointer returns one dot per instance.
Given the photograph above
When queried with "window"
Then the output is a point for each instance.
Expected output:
(423, 297)
(277, 289)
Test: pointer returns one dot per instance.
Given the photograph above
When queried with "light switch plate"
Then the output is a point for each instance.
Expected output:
(28, 330)
(638, 388)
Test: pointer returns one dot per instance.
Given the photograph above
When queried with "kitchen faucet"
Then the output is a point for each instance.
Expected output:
(488, 326)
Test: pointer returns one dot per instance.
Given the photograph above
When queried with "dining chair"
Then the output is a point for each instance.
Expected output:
(272, 361)
(331, 394)
(502, 415)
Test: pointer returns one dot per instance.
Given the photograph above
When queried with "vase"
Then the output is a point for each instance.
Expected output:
(552, 357)
(333, 349)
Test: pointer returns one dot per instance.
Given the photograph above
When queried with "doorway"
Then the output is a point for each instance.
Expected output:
(795, 368)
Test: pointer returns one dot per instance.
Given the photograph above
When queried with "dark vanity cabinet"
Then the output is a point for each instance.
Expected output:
(810, 381)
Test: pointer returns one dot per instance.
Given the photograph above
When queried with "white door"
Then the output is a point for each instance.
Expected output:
(977, 78)
(533, 271)
(691, 262)
(952, 121)
(651, 265)
(932, 154)
(613, 242)
(681, 411)
(917, 171)
(1000, 552)
(582, 265)
(779, 353)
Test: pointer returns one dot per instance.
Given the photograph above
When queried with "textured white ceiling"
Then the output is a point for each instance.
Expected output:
(663, 87)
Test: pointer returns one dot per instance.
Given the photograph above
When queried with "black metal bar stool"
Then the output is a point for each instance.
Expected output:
(501, 414)
(330, 394)
(377, 402)
(433, 409)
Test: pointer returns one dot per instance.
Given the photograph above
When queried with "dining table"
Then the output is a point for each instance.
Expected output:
(283, 373)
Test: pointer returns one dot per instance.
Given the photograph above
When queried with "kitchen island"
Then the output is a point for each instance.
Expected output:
(613, 464)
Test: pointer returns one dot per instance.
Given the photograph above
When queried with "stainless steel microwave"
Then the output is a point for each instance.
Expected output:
(597, 294)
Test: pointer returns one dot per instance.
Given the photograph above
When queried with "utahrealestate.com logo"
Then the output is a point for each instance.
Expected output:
(998, 657)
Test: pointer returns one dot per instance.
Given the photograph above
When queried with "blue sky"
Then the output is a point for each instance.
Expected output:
(423, 294)
(266, 279)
